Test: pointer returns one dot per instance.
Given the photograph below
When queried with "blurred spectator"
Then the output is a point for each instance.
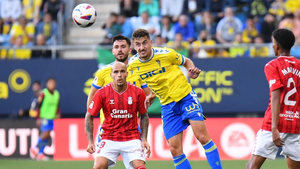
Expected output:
(292, 5)
(24, 29)
(10, 9)
(198, 52)
(179, 45)
(216, 8)
(5, 26)
(112, 27)
(287, 22)
(278, 9)
(193, 7)
(32, 110)
(267, 27)
(167, 30)
(258, 7)
(207, 28)
(129, 8)
(296, 29)
(185, 27)
(48, 28)
(159, 41)
(18, 53)
(41, 41)
(31, 10)
(228, 27)
(171, 8)
(147, 23)
(150, 6)
(250, 32)
(237, 51)
(126, 26)
(53, 7)
(259, 51)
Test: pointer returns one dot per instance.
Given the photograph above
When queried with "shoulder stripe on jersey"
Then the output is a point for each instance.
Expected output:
(144, 86)
(95, 86)
(183, 60)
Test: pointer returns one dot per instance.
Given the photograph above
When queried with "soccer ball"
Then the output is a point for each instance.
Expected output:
(84, 15)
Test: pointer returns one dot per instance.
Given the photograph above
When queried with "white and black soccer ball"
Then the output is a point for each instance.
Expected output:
(84, 15)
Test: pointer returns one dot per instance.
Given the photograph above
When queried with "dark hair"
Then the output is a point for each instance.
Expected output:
(285, 38)
(121, 37)
(140, 33)
(51, 78)
(37, 82)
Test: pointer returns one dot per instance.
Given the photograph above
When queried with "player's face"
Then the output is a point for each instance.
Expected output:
(121, 50)
(51, 84)
(119, 74)
(143, 46)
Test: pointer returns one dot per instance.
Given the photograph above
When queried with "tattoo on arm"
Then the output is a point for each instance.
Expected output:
(89, 126)
(144, 125)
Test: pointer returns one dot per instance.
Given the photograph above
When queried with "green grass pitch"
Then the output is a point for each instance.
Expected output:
(30, 164)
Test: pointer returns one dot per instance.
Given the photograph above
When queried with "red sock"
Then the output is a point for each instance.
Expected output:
(141, 167)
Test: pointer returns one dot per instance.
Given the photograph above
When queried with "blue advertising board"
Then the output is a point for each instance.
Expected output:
(224, 85)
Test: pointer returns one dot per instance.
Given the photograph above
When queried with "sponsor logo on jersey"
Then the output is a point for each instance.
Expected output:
(111, 102)
(91, 105)
(120, 114)
(129, 100)
(290, 115)
(152, 73)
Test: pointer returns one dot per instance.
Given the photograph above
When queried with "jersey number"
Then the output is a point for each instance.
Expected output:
(289, 93)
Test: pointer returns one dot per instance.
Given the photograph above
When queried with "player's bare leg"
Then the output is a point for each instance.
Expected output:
(100, 163)
(255, 162)
(179, 159)
(209, 146)
(175, 144)
(292, 164)
(45, 135)
(138, 164)
(200, 131)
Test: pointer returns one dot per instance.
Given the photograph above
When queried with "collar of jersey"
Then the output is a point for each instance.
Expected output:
(117, 91)
(143, 61)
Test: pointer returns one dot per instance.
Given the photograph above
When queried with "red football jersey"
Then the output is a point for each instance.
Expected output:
(284, 72)
(120, 111)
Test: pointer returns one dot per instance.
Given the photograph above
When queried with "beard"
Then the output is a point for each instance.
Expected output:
(122, 59)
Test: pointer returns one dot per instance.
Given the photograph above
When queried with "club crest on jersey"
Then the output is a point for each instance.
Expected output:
(158, 62)
(111, 102)
(129, 100)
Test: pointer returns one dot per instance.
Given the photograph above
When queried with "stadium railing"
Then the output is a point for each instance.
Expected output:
(93, 48)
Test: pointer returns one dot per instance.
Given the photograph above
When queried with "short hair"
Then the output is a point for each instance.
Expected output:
(121, 37)
(285, 38)
(37, 82)
(51, 78)
(140, 33)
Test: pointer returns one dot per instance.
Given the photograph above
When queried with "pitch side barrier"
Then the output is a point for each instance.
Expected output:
(224, 85)
(233, 136)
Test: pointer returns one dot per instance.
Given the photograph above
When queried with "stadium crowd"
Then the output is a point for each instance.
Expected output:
(28, 23)
(186, 25)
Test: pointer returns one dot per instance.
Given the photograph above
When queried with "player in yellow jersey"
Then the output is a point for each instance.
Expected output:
(121, 50)
(159, 68)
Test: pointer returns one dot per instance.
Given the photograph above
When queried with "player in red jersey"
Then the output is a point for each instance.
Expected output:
(281, 125)
(120, 101)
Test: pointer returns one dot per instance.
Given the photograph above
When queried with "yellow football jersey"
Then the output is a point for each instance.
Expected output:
(162, 74)
(102, 78)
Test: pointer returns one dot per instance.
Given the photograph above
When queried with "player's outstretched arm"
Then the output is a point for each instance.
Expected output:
(144, 127)
(89, 127)
(193, 72)
(275, 108)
